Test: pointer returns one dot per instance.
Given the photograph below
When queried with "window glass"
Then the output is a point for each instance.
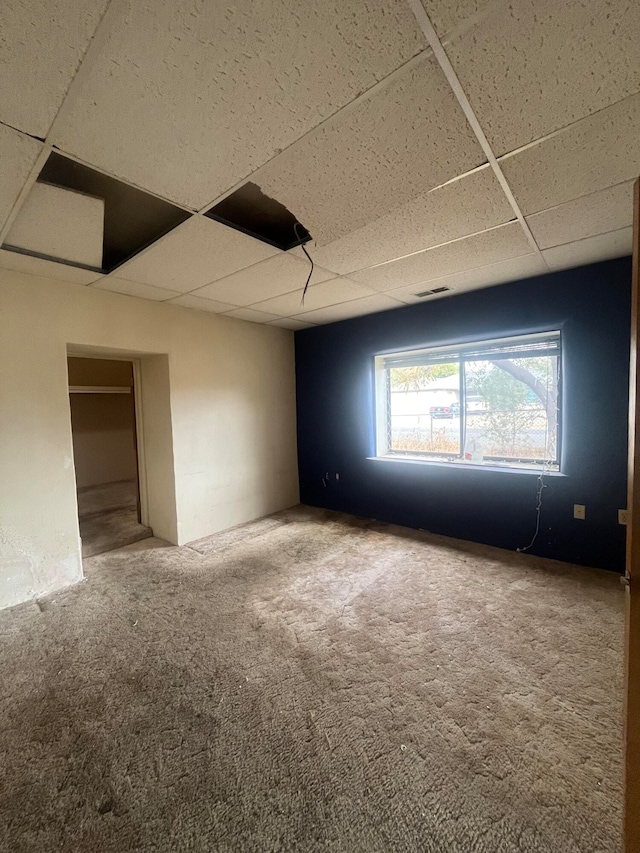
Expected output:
(492, 402)
(511, 408)
(425, 409)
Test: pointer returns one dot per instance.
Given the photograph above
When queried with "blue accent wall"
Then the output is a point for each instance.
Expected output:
(591, 305)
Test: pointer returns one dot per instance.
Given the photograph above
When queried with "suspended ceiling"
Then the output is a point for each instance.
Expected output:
(452, 144)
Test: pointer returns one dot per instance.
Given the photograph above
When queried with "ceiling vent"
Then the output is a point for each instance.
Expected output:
(249, 210)
(435, 290)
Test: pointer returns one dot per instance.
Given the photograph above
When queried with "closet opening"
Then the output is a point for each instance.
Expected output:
(102, 399)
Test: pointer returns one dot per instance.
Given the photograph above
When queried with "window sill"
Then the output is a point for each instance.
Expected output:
(464, 466)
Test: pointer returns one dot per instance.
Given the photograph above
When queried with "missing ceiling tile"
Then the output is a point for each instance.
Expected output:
(249, 210)
(132, 218)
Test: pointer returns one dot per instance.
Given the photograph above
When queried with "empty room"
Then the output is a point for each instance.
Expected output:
(319, 384)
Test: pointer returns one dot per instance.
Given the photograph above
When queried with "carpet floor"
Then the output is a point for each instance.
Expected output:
(108, 517)
(312, 681)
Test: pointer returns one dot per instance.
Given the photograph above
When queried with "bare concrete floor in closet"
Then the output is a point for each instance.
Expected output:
(108, 516)
(312, 681)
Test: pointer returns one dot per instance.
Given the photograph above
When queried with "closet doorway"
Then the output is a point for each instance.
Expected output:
(105, 452)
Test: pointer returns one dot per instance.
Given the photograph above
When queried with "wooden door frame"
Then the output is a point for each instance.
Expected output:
(632, 573)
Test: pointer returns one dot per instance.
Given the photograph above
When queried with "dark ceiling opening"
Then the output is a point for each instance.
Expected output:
(249, 210)
(132, 218)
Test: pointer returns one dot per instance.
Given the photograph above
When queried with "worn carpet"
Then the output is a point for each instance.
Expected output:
(314, 682)
(108, 517)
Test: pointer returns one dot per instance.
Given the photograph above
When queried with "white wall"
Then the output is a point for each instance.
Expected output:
(218, 419)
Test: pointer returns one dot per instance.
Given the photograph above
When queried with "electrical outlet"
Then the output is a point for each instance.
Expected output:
(579, 511)
(623, 516)
(337, 476)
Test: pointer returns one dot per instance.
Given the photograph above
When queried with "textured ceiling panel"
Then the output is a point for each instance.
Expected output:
(531, 67)
(46, 269)
(62, 224)
(42, 43)
(507, 241)
(18, 155)
(216, 89)
(273, 277)
(598, 213)
(592, 154)
(195, 253)
(200, 304)
(134, 288)
(357, 308)
(288, 323)
(462, 207)
(404, 139)
(511, 270)
(446, 14)
(251, 316)
(330, 292)
(616, 244)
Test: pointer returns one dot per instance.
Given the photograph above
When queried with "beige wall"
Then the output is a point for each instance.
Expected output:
(218, 421)
(103, 438)
(102, 425)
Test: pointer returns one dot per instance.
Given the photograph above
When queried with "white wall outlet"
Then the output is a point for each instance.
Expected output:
(579, 511)
(623, 516)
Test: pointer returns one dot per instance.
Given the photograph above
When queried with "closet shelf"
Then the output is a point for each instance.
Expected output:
(99, 389)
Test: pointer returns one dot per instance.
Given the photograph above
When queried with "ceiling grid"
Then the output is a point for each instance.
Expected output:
(441, 55)
(402, 168)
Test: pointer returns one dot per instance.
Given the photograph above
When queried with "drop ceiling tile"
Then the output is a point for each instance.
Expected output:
(216, 90)
(45, 268)
(597, 213)
(359, 166)
(499, 244)
(327, 293)
(504, 271)
(530, 67)
(42, 45)
(465, 206)
(446, 14)
(193, 254)
(18, 154)
(134, 288)
(250, 315)
(593, 249)
(592, 154)
(289, 323)
(60, 223)
(281, 274)
(200, 304)
(345, 310)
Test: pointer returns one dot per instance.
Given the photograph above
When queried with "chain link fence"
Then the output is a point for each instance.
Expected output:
(521, 433)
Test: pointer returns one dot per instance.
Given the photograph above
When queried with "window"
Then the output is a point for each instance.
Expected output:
(489, 402)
